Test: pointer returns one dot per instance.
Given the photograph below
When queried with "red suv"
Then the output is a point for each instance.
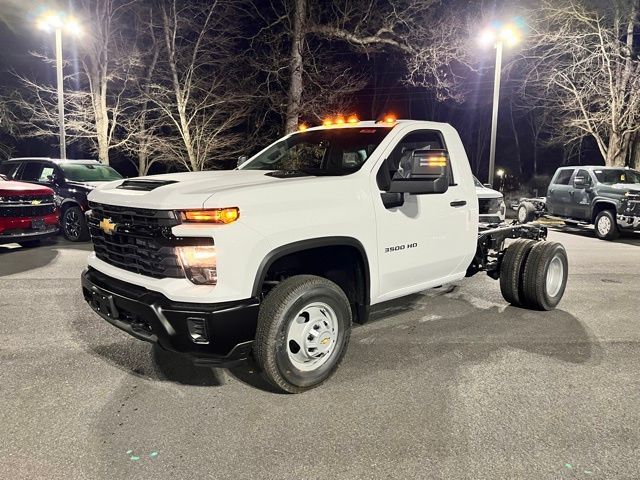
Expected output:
(28, 213)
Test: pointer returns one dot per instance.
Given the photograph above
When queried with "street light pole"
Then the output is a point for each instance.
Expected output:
(494, 117)
(63, 142)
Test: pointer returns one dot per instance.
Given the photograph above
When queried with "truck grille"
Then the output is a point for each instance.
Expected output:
(27, 206)
(489, 205)
(142, 241)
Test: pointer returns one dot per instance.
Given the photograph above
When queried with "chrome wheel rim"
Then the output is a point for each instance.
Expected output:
(555, 276)
(312, 336)
(72, 224)
(604, 225)
(522, 214)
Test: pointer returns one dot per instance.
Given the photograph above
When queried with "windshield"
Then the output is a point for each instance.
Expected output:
(337, 151)
(83, 172)
(613, 176)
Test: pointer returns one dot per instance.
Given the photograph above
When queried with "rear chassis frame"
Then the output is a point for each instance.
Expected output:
(490, 249)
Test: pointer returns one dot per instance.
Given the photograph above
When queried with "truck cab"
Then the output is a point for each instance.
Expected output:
(276, 258)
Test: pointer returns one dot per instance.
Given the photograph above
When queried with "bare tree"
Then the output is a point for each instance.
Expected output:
(584, 64)
(309, 37)
(198, 84)
(96, 83)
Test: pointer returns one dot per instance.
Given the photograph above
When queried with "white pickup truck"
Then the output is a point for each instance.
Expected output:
(276, 258)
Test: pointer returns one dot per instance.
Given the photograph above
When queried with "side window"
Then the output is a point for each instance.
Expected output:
(400, 159)
(563, 177)
(32, 171)
(10, 169)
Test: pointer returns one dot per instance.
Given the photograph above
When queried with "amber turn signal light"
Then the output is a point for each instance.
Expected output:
(218, 215)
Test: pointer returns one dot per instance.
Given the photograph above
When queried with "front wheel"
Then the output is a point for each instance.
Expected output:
(304, 326)
(606, 226)
(74, 225)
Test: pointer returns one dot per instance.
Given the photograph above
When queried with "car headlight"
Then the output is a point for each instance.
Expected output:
(199, 264)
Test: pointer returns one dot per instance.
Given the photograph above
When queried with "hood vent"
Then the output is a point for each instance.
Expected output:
(144, 185)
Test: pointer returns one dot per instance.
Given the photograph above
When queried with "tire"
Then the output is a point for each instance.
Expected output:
(30, 243)
(512, 270)
(545, 276)
(526, 212)
(606, 226)
(74, 225)
(283, 361)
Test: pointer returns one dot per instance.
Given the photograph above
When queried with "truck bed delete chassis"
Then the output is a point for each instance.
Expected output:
(491, 249)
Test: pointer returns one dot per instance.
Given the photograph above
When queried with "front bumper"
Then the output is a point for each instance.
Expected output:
(152, 317)
(628, 222)
(15, 230)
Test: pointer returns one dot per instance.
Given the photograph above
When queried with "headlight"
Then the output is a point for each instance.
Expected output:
(199, 264)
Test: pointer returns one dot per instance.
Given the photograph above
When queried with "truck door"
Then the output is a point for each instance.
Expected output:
(558, 196)
(426, 237)
(581, 193)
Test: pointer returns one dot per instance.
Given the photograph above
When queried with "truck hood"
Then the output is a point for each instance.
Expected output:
(16, 189)
(182, 190)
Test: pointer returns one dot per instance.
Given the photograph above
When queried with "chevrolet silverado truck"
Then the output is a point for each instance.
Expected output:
(28, 213)
(606, 197)
(277, 258)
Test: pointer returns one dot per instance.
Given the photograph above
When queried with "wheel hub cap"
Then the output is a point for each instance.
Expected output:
(555, 275)
(604, 225)
(312, 335)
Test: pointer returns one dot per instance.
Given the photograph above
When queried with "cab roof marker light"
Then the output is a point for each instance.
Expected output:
(327, 122)
(303, 127)
(353, 119)
(340, 120)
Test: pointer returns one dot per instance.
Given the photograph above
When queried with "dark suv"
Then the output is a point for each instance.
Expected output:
(606, 197)
(71, 181)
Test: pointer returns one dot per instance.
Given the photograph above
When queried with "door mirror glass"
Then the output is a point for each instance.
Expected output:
(422, 172)
(579, 182)
(242, 159)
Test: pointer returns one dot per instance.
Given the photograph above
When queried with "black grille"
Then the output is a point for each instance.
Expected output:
(489, 205)
(142, 241)
(27, 206)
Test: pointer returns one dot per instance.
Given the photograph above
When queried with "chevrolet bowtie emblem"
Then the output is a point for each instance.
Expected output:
(107, 226)
(36, 202)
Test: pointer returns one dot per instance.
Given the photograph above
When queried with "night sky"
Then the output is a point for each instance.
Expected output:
(19, 37)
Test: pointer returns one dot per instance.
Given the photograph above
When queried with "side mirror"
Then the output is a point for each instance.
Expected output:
(488, 185)
(426, 171)
(580, 182)
(242, 159)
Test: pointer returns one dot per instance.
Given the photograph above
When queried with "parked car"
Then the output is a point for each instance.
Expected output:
(71, 181)
(28, 213)
(606, 197)
(490, 203)
(277, 258)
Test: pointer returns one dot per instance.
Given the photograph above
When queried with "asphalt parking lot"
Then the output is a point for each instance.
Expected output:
(451, 383)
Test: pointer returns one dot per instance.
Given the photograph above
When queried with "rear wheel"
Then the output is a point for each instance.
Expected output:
(74, 225)
(545, 276)
(512, 269)
(606, 226)
(304, 325)
(526, 212)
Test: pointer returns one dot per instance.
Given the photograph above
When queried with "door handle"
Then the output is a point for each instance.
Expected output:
(571, 193)
(458, 203)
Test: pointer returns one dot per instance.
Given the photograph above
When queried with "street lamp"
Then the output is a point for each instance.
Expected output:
(497, 35)
(57, 22)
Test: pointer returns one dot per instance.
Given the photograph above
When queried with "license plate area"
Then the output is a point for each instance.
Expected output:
(102, 302)
(38, 224)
